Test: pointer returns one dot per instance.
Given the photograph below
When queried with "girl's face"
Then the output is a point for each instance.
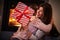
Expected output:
(39, 12)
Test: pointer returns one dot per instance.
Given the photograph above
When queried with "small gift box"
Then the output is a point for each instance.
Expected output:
(22, 13)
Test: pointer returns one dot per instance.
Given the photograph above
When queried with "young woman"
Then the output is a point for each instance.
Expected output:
(41, 23)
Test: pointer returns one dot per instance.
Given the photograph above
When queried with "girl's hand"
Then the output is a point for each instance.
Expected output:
(25, 34)
(32, 18)
(37, 22)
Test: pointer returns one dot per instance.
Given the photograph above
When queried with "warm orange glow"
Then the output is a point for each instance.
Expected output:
(12, 21)
(18, 25)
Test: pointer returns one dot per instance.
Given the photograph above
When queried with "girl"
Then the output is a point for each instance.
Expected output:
(39, 24)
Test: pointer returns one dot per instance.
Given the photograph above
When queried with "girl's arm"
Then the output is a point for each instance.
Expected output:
(42, 26)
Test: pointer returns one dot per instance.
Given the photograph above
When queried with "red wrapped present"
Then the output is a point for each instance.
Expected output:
(22, 13)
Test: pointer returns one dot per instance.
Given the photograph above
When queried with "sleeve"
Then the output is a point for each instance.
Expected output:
(39, 34)
(33, 37)
(36, 33)
(40, 25)
(31, 28)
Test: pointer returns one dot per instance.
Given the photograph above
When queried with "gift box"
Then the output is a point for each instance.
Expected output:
(22, 13)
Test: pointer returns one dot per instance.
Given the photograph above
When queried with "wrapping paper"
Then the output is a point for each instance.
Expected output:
(22, 13)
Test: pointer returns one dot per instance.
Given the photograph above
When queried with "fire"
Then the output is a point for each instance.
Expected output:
(12, 21)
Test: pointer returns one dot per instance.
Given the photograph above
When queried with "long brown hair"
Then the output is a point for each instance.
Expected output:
(47, 9)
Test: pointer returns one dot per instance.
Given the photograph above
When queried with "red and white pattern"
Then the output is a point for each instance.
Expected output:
(21, 15)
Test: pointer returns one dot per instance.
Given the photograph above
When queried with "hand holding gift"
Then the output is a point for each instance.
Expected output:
(22, 13)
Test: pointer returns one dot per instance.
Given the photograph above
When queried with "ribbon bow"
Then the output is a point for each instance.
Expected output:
(22, 13)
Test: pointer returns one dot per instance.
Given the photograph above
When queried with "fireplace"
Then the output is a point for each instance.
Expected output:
(8, 23)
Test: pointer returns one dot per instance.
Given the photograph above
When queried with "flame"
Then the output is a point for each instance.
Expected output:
(12, 21)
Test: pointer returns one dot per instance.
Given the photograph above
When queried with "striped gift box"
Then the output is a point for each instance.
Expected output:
(22, 13)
